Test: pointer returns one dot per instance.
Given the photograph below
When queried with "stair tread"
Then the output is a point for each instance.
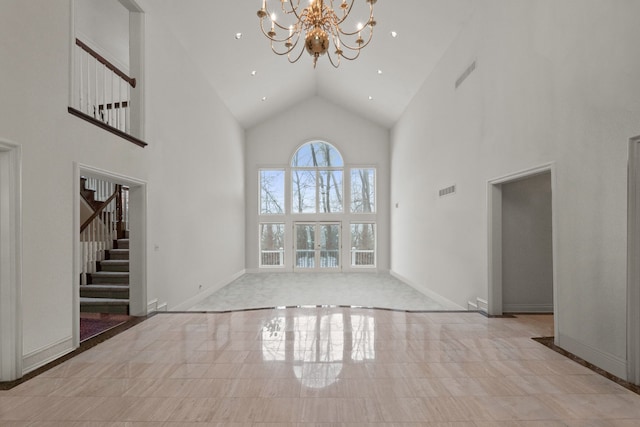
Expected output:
(106, 286)
(110, 273)
(103, 301)
(115, 261)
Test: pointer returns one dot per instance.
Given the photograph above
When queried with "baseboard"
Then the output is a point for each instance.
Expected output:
(448, 304)
(46, 354)
(186, 305)
(527, 308)
(152, 306)
(607, 361)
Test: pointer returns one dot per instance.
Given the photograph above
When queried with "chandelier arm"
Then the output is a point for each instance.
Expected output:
(335, 65)
(294, 9)
(358, 47)
(353, 33)
(348, 11)
(289, 49)
(274, 39)
(298, 57)
(353, 57)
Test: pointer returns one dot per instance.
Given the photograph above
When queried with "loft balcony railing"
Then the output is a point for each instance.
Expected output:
(102, 93)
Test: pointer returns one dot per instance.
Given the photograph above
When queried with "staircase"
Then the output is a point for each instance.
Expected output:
(104, 282)
(107, 290)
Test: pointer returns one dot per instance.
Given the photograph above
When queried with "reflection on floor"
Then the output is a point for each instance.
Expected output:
(322, 366)
(92, 324)
(335, 289)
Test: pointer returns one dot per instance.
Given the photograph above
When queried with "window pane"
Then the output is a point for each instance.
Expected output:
(304, 191)
(271, 244)
(363, 190)
(271, 192)
(330, 191)
(305, 245)
(329, 245)
(363, 245)
(316, 154)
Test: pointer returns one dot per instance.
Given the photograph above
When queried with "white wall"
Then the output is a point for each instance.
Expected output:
(274, 142)
(196, 174)
(187, 159)
(104, 26)
(555, 81)
(527, 246)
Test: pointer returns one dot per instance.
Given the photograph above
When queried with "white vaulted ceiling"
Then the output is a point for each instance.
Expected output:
(207, 29)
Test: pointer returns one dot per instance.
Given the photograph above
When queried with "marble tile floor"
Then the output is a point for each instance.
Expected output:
(267, 290)
(322, 367)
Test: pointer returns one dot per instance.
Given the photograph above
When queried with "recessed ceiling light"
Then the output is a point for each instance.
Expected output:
(370, 98)
(394, 34)
(238, 36)
(379, 71)
(264, 98)
(254, 72)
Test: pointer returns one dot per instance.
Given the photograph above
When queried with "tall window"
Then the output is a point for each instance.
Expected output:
(272, 192)
(363, 190)
(316, 179)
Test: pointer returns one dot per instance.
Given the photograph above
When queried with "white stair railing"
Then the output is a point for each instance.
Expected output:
(99, 231)
(102, 91)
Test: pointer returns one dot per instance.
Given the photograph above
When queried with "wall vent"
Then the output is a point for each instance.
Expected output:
(466, 74)
(447, 191)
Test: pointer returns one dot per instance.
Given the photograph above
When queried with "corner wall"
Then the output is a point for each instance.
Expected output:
(555, 81)
(193, 167)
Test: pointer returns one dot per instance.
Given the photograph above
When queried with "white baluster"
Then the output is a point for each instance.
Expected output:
(80, 74)
(120, 106)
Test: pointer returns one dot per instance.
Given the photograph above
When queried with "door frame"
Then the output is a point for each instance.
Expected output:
(137, 241)
(633, 263)
(317, 267)
(494, 236)
(11, 352)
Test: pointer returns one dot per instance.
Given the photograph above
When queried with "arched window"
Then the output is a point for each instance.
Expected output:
(317, 212)
(317, 172)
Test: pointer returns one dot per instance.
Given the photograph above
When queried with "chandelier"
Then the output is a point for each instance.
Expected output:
(318, 26)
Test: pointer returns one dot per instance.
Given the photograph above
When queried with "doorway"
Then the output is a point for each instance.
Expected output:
(10, 262)
(521, 243)
(633, 263)
(317, 246)
(135, 243)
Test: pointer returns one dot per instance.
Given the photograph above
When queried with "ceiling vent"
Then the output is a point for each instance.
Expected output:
(447, 191)
(466, 74)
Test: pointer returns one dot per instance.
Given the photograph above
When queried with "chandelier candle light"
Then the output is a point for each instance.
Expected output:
(319, 26)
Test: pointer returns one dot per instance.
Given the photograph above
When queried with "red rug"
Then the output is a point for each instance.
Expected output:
(90, 327)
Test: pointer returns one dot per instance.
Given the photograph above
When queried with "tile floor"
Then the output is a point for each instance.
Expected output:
(322, 367)
(264, 290)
